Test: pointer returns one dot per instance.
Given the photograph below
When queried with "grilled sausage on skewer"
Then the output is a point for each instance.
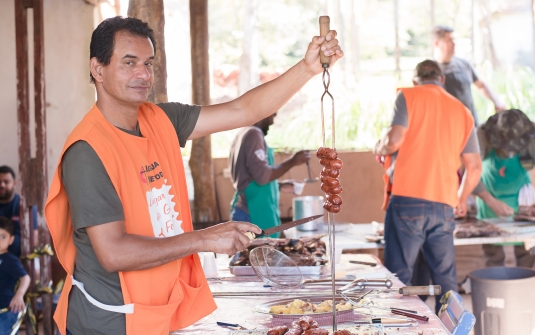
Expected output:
(334, 199)
(326, 153)
(294, 331)
(280, 330)
(329, 178)
(305, 322)
(342, 332)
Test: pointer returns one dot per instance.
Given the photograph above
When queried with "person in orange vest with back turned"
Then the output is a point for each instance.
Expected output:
(429, 132)
(118, 208)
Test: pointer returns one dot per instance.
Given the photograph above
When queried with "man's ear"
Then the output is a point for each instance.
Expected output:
(96, 69)
(11, 239)
(415, 83)
(443, 80)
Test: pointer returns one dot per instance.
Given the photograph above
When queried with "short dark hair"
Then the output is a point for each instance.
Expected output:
(7, 169)
(7, 225)
(440, 31)
(427, 70)
(103, 37)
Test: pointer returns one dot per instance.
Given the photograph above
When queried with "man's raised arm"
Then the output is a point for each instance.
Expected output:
(264, 100)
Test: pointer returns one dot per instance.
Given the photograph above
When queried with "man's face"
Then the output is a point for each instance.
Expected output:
(266, 123)
(7, 186)
(5, 240)
(446, 46)
(129, 76)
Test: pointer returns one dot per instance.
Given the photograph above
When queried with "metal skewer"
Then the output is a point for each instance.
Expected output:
(324, 22)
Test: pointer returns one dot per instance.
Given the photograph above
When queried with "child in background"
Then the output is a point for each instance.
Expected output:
(11, 271)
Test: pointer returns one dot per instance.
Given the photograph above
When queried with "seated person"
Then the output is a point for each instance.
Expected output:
(11, 271)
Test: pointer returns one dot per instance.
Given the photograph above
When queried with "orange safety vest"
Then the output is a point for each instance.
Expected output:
(148, 174)
(438, 129)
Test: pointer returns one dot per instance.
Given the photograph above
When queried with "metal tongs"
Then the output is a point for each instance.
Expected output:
(361, 283)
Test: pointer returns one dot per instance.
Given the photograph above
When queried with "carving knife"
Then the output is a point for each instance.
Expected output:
(282, 227)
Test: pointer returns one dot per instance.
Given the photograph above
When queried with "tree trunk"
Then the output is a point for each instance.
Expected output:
(32, 167)
(533, 32)
(473, 31)
(355, 37)
(152, 12)
(432, 22)
(340, 29)
(205, 210)
(397, 50)
(486, 22)
(249, 59)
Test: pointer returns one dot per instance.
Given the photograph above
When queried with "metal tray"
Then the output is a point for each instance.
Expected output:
(264, 308)
(376, 329)
(247, 270)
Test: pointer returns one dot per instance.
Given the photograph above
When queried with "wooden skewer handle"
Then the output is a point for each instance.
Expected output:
(325, 27)
(421, 290)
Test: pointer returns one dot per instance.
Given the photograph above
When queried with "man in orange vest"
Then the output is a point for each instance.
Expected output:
(118, 209)
(430, 130)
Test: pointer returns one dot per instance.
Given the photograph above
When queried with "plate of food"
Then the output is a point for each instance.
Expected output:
(306, 325)
(376, 329)
(318, 306)
(309, 253)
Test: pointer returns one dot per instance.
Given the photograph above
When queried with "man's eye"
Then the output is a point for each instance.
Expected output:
(129, 62)
(148, 64)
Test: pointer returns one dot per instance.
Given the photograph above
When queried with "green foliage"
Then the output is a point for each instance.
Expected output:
(358, 126)
(515, 86)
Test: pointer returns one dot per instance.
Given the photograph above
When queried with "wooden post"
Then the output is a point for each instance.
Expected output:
(432, 24)
(201, 165)
(33, 170)
(473, 32)
(249, 59)
(355, 37)
(533, 32)
(152, 12)
(397, 50)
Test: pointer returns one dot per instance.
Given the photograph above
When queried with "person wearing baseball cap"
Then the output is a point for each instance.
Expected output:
(507, 145)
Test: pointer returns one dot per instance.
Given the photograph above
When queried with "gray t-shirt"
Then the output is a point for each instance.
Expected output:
(248, 161)
(93, 200)
(400, 117)
(460, 75)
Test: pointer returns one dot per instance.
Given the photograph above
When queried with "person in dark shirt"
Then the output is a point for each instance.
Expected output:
(10, 207)
(459, 73)
(11, 271)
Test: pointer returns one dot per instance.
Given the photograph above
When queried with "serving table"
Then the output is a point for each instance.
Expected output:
(240, 309)
(352, 236)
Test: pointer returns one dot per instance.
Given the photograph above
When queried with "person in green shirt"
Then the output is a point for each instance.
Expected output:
(254, 176)
(507, 145)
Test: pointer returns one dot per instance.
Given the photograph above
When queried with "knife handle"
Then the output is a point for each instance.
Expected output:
(252, 235)
(224, 324)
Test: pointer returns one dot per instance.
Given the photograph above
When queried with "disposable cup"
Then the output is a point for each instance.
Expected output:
(298, 188)
(337, 254)
(340, 271)
(209, 265)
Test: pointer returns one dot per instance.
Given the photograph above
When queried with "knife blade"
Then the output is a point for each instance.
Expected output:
(282, 227)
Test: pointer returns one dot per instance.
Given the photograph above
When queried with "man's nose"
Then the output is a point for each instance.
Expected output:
(144, 72)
